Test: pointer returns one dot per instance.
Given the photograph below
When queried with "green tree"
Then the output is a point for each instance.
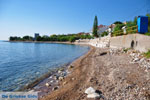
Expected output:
(72, 39)
(95, 27)
(39, 38)
(28, 38)
(117, 22)
(148, 15)
(135, 20)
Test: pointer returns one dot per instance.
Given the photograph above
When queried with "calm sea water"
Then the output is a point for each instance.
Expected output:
(22, 63)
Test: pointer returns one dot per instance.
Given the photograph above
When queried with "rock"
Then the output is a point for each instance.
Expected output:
(136, 59)
(60, 78)
(51, 81)
(93, 95)
(59, 71)
(103, 53)
(55, 88)
(64, 83)
(31, 91)
(73, 79)
(56, 77)
(71, 66)
(47, 84)
(90, 90)
(142, 60)
(50, 77)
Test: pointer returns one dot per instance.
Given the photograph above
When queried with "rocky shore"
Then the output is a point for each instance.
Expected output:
(51, 83)
(112, 74)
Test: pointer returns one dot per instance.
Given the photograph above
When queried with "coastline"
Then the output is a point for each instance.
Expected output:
(39, 85)
(76, 64)
(55, 42)
(29, 86)
(43, 42)
(110, 72)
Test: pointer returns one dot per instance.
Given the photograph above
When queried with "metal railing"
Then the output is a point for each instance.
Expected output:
(129, 30)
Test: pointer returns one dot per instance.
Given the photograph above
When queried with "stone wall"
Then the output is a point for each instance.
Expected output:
(137, 41)
(97, 42)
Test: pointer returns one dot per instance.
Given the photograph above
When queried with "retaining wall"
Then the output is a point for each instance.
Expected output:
(137, 41)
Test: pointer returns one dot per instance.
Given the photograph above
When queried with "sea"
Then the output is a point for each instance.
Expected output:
(22, 63)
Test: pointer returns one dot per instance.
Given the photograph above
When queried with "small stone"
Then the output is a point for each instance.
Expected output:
(55, 88)
(60, 78)
(142, 60)
(73, 79)
(103, 53)
(93, 95)
(47, 84)
(59, 71)
(71, 66)
(56, 77)
(64, 83)
(136, 59)
(90, 90)
(51, 81)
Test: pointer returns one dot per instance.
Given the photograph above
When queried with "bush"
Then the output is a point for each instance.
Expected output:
(147, 54)
(148, 22)
(126, 49)
(118, 22)
(72, 39)
(104, 34)
(39, 38)
(118, 30)
(27, 38)
(130, 24)
(148, 34)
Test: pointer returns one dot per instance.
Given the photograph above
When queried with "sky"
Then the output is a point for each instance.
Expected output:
(26, 17)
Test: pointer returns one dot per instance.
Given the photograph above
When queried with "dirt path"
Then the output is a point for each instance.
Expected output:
(112, 75)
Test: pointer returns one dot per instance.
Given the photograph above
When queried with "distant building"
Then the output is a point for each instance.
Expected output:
(112, 27)
(102, 28)
(83, 33)
(36, 35)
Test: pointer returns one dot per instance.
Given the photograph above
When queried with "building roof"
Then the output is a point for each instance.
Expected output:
(101, 26)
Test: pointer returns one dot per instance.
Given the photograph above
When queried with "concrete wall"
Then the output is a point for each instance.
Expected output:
(137, 41)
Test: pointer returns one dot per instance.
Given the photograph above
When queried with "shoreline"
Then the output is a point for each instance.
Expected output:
(37, 81)
(34, 83)
(52, 42)
(54, 80)
(76, 63)
(67, 42)
(41, 81)
(109, 71)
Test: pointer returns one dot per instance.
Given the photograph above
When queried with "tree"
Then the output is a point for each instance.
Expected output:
(28, 38)
(135, 20)
(72, 39)
(39, 38)
(148, 15)
(95, 27)
(117, 22)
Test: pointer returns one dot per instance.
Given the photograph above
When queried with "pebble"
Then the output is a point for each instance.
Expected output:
(47, 84)
(64, 83)
(73, 79)
(136, 56)
(71, 66)
(60, 78)
(90, 90)
(59, 72)
(55, 88)
(93, 95)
